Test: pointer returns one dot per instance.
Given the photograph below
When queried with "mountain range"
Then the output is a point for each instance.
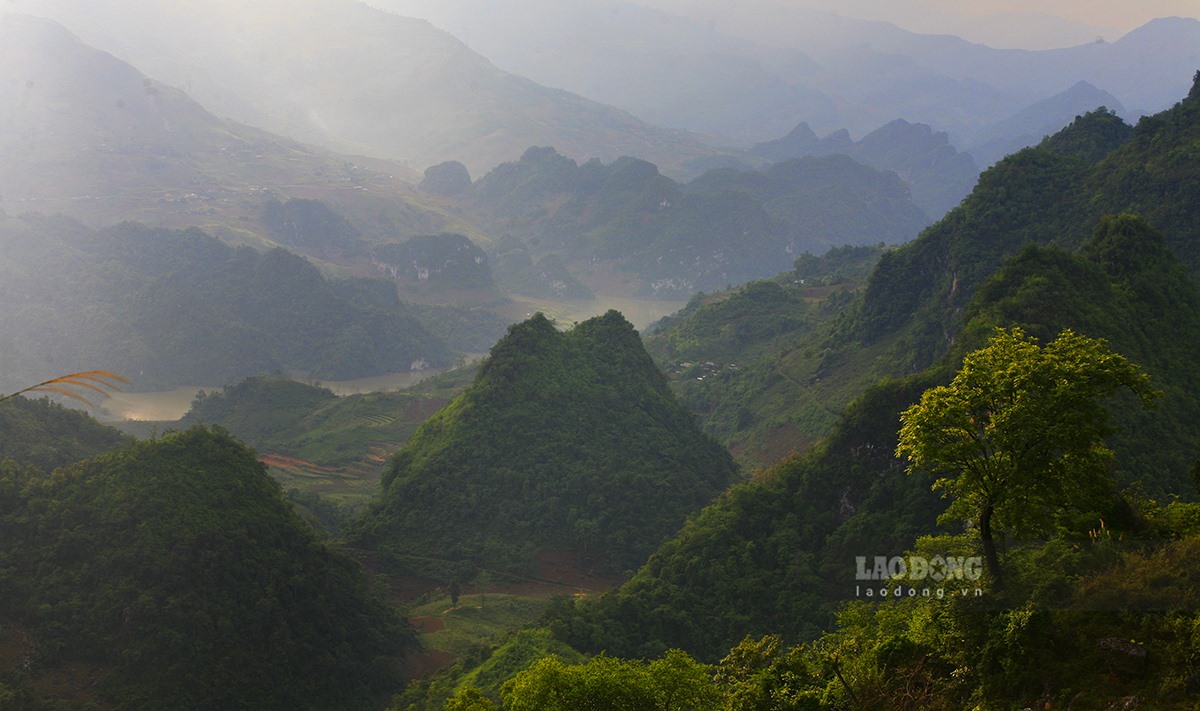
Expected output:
(765, 72)
(358, 80)
(666, 239)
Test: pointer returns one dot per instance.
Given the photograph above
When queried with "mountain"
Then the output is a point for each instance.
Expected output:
(46, 435)
(167, 308)
(913, 305)
(783, 544)
(939, 175)
(564, 441)
(277, 415)
(752, 75)
(435, 264)
(172, 573)
(1031, 124)
(669, 240)
(1051, 194)
(87, 135)
(664, 68)
(358, 80)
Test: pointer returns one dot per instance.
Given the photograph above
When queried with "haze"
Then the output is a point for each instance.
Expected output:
(1021, 24)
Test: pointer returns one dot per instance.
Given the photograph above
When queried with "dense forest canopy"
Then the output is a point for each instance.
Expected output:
(177, 574)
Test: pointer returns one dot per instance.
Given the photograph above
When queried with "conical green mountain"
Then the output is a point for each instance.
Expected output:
(565, 440)
(172, 574)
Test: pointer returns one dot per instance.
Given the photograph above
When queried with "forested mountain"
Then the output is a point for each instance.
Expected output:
(1052, 194)
(437, 264)
(784, 544)
(173, 574)
(915, 301)
(169, 307)
(46, 435)
(668, 239)
(939, 175)
(566, 441)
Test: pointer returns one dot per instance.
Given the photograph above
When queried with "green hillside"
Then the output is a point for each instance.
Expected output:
(773, 555)
(916, 301)
(1051, 194)
(752, 361)
(565, 440)
(46, 435)
(172, 574)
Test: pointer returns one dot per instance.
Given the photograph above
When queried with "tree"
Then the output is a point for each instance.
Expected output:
(469, 699)
(1019, 432)
(675, 682)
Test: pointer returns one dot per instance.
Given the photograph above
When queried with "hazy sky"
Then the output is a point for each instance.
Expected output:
(1029, 24)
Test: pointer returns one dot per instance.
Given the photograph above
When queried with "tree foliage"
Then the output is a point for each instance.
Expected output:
(675, 682)
(1019, 433)
(176, 568)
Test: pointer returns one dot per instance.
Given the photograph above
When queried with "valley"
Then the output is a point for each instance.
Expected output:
(532, 356)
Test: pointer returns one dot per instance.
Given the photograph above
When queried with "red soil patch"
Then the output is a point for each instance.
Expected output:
(427, 625)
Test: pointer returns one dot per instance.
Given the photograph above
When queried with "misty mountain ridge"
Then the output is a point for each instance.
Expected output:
(940, 176)
(87, 135)
(358, 80)
(168, 308)
(773, 71)
(1031, 124)
(665, 239)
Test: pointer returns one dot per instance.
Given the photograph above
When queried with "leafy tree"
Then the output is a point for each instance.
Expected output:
(1020, 430)
(674, 682)
(469, 699)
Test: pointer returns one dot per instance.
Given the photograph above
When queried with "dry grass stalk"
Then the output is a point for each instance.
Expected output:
(98, 381)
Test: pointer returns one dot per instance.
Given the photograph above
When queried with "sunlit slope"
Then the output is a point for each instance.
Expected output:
(85, 134)
(359, 80)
